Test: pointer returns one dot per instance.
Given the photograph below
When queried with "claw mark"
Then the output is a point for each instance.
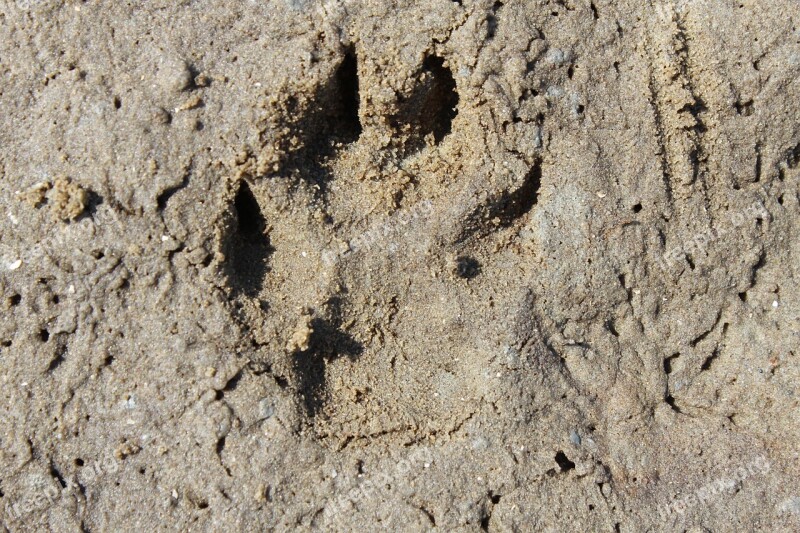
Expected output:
(328, 342)
(331, 122)
(504, 210)
(517, 204)
(349, 100)
(250, 247)
(432, 107)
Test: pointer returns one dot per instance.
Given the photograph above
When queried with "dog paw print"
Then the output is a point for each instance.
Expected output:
(364, 266)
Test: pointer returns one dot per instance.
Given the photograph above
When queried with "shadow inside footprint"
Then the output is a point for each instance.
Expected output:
(331, 123)
(505, 209)
(249, 248)
(431, 108)
(516, 204)
(327, 343)
(346, 100)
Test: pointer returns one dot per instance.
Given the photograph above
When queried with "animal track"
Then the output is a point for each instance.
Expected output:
(432, 106)
(249, 247)
(504, 209)
(366, 339)
(331, 122)
(327, 343)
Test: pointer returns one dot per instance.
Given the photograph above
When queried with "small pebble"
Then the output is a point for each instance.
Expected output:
(223, 428)
(202, 80)
(557, 56)
(512, 355)
(266, 408)
(193, 102)
(791, 505)
(130, 403)
(480, 443)
(175, 75)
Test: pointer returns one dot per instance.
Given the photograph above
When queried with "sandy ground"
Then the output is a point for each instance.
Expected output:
(363, 265)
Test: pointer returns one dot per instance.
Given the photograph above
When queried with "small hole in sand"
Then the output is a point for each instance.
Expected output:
(563, 462)
(349, 99)
(467, 267)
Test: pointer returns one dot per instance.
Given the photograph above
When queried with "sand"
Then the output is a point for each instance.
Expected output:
(366, 266)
